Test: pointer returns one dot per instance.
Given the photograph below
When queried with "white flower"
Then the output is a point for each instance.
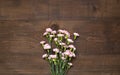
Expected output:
(55, 39)
(61, 31)
(64, 32)
(49, 57)
(67, 33)
(62, 44)
(60, 52)
(47, 46)
(73, 55)
(70, 64)
(52, 36)
(70, 40)
(63, 54)
(60, 35)
(76, 34)
(65, 46)
(48, 30)
(42, 42)
(54, 32)
(63, 58)
(56, 50)
(52, 57)
(45, 33)
(72, 46)
(69, 53)
(44, 56)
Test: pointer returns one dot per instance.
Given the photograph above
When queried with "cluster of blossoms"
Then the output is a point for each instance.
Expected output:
(59, 54)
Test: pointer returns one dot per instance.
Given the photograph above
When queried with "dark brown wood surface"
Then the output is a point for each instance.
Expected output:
(22, 23)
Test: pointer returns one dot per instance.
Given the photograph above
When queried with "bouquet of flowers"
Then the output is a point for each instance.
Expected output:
(59, 50)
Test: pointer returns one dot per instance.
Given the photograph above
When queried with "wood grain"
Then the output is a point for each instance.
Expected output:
(22, 23)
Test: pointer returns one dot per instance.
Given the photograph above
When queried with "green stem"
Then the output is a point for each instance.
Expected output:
(52, 68)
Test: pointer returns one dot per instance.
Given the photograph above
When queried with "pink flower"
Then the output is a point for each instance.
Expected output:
(54, 32)
(52, 57)
(44, 56)
(48, 30)
(69, 53)
(63, 58)
(72, 46)
(73, 54)
(64, 32)
(67, 33)
(56, 50)
(47, 46)
(45, 33)
(61, 31)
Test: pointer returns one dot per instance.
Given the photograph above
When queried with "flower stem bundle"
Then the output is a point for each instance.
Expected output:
(59, 50)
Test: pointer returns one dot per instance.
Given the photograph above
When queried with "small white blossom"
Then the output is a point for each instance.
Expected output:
(56, 50)
(54, 32)
(61, 31)
(76, 34)
(63, 58)
(62, 44)
(69, 53)
(63, 54)
(60, 35)
(55, 39)
(49, 57)
(67, 33)
(70, 64)
(44, 56)
(60, 52)
(47, 46)
(42, 42)
(52, 36)
(72, 46)
(64, 32)
(45, 33)
(65, 46)
(48, 30)
(73, 54)
(70, 40)
(52, 57)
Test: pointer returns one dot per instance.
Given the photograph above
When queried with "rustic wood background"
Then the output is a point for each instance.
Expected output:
(22, 23)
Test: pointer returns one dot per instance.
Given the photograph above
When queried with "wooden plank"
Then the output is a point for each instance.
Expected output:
(93, 9)
(33, 64)
(21, 53)
(96, 37)
(23, 9)
(62, 9)
(22, 23)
